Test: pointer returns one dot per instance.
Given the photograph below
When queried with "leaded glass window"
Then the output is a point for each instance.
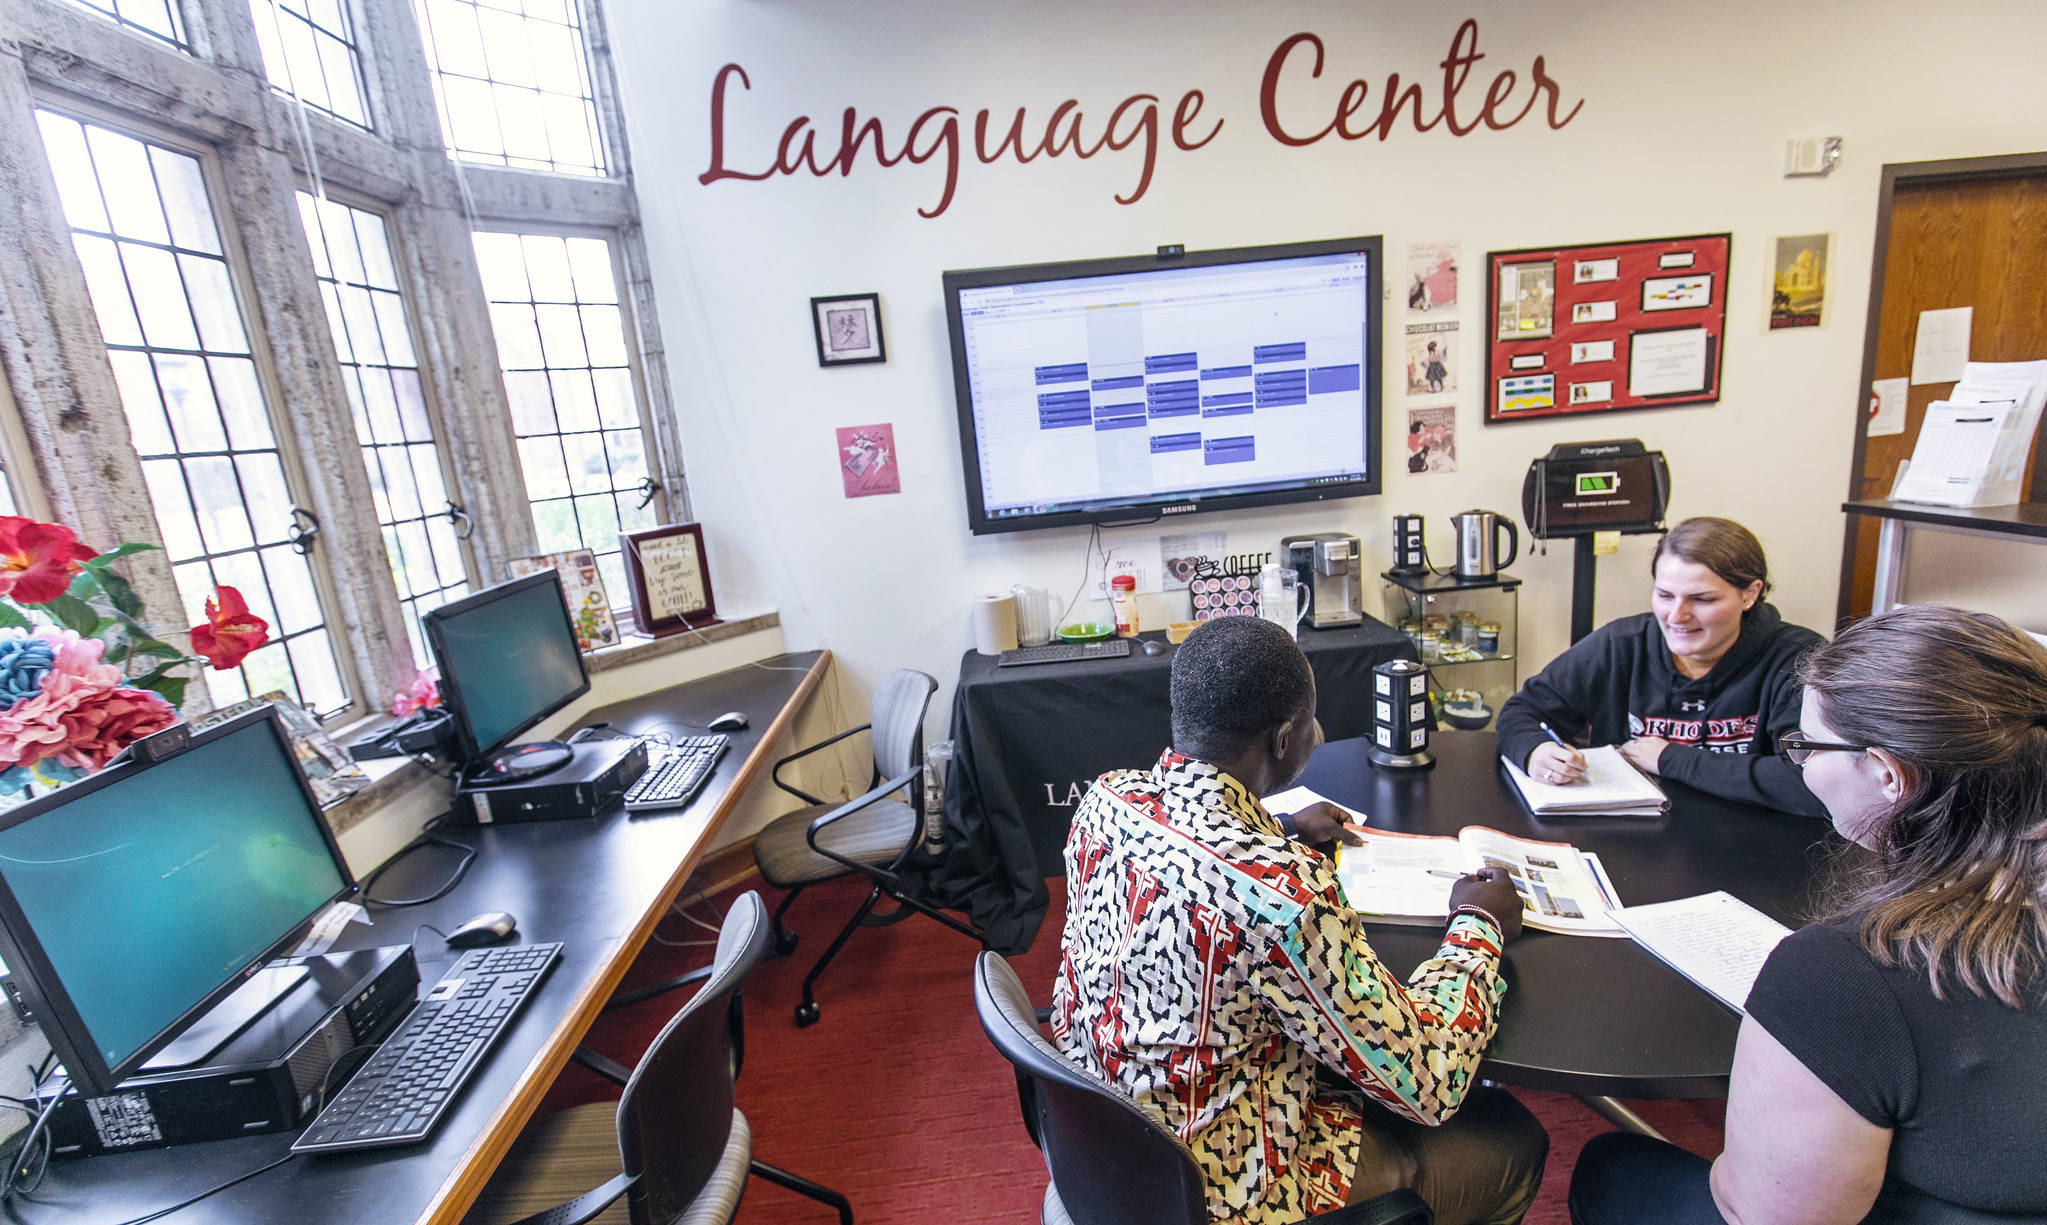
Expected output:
(310, 53)
(158, 18)
(561, 344)
(512, 78)
(142, 221)
(367, 314)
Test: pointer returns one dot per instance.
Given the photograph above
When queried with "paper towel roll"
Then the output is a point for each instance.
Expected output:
(994, 624)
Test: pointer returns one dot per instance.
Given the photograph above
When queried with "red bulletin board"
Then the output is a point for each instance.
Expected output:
(1618, 325)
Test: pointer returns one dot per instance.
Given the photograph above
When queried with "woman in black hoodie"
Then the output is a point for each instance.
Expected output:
(1698, 689)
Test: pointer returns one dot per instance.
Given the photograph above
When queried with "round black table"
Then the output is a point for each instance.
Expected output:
(1582, 1014)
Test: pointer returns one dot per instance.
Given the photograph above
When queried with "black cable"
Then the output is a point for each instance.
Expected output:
(186, 1203)
(426, 838)
(29, 1161)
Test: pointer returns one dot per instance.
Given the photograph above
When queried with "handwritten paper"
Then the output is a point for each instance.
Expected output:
(675, 576)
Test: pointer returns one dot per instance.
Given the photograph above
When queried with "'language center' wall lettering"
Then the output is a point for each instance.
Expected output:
(1289, 84)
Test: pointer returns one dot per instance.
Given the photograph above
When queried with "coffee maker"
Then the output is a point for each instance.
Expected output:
(1328, 563)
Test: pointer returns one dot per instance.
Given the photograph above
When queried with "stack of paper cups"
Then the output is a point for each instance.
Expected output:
(994, 624)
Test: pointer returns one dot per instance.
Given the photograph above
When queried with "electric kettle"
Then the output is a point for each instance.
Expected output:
(1478, 543)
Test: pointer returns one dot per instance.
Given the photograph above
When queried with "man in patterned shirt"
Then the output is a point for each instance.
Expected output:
(1210, 969)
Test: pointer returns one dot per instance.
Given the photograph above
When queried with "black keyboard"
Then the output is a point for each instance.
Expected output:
(403, 1090)
(678, 771)
(1065, 652)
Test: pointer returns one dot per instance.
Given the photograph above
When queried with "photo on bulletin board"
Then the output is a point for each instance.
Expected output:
(1798, 284)
(1525, 303)
(670, 581)
(848, 329)
(1606, 327)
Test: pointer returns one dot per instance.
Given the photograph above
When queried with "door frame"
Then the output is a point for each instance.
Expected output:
(1915, 174)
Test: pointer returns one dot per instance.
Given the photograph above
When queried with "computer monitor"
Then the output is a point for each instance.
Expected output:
(508, 659)
(1138, 388)
(135, 899)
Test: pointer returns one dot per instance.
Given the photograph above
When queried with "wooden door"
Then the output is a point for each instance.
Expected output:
(1953, 240)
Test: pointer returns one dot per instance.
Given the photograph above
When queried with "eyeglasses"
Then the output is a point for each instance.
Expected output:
(1799, 748)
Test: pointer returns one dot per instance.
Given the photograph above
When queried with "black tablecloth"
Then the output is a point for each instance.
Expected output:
(1028, 741)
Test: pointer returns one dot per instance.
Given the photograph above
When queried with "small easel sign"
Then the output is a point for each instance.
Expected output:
(670, 581)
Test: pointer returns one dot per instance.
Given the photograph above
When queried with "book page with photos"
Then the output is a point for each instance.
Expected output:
(1407, 878)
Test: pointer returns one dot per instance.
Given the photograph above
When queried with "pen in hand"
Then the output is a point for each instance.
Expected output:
(1574, 762)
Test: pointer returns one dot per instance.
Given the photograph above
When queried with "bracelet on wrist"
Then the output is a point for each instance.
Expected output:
(1478, 912)
(1286, 824)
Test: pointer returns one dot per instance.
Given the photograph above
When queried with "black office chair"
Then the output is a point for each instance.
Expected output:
(1111, 1163)
(872, 836)
(681, 1149)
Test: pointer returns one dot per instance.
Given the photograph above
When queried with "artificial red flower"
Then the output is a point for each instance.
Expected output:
(231, 630)
(37, 560)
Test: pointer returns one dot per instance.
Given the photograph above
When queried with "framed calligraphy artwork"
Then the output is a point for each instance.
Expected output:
(848, 329)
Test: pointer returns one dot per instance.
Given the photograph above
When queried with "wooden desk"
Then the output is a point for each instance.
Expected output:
(599, 886)
(1582, 1014)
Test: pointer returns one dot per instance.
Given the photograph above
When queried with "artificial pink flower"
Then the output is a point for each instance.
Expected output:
(231, 630)
(109, 721)
(37, 560)
(33, 728)
(425, 694)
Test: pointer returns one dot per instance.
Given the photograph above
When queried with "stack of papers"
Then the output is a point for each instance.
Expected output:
(1717, 940)
(1610, 788)
(1972, 446)
(1407, 878)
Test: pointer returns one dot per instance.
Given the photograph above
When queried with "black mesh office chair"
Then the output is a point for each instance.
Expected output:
(872, 835)
(1111, 1163)
(675, 1146)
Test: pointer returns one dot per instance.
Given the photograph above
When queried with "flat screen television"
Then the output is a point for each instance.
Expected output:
(1133, 389)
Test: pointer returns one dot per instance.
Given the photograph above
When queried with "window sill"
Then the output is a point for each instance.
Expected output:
(392, 777)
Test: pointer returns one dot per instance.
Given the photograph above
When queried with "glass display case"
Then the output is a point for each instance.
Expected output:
(1466, 631)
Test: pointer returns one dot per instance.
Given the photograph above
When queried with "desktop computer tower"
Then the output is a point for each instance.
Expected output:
(272, 1076)
(591, 782)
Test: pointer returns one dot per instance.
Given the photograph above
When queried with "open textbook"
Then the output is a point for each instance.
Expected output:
(1610, 788)
(1715, 939)
(1407, 878)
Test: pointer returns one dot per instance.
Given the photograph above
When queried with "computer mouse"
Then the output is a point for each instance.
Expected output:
(730, 721)
(1154, 647)
(490, 927)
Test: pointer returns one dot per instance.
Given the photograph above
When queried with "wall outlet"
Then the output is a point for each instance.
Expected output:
(1805, 155)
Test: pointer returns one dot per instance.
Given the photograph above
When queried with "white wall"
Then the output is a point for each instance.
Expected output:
(1687, 108)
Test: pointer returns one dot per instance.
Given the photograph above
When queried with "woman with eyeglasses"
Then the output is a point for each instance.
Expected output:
(1697, 689)
(1893, 1063)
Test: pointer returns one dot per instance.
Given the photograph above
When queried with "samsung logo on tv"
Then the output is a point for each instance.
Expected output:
(1185, 508)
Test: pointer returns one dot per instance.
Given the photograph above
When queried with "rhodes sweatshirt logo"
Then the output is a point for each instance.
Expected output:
(1713, 735)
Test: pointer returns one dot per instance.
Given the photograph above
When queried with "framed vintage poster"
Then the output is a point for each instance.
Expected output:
(848, 329)
(671, 582)
(1605, 327)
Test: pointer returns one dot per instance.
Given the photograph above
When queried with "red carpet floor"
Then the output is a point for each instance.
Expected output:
(895, 1099)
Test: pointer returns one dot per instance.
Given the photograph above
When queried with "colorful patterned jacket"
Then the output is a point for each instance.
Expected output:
(1208, 966)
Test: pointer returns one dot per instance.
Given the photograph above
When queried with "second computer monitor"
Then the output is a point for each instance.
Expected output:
(508, 659)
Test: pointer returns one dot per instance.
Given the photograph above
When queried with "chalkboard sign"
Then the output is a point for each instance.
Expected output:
(670, 580)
